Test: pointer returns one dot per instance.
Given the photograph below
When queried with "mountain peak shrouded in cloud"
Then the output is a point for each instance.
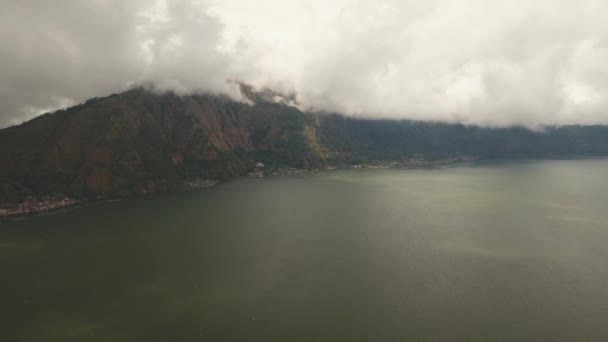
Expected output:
(486, 62)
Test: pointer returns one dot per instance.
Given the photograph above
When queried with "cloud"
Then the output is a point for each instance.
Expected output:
(485, 62)
(56, 53)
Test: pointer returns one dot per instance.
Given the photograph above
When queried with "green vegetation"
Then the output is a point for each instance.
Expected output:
(139, 142)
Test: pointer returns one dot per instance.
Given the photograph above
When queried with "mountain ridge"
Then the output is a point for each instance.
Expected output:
(139, 142)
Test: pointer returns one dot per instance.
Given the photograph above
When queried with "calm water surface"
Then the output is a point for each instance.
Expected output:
(495, 252)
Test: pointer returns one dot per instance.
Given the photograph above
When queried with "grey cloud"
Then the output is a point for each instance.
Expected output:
(55, 53)
(485, 62)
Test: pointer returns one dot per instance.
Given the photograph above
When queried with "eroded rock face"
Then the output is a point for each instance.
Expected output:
(140, 142)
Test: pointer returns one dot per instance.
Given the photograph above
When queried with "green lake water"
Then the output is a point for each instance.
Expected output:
(512, 251)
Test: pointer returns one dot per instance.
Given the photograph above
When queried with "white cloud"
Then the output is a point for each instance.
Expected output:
(486, 62)
(67, 49)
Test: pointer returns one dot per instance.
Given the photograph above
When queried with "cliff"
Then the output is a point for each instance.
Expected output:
(140, 142)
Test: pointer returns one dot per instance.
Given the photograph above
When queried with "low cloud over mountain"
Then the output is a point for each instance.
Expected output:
(485, 62)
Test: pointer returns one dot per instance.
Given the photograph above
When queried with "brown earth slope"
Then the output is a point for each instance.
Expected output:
(139, 142)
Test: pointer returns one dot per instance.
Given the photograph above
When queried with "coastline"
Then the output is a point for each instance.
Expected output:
(27, 208)
(51, 204)
(32, 205)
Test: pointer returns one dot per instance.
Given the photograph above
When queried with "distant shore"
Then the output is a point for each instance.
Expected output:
(33, 205)
(46, 205)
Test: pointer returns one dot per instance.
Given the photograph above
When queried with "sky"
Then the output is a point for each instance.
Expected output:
(483, 62)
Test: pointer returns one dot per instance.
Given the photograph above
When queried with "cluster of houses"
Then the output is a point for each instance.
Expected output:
(33, 205)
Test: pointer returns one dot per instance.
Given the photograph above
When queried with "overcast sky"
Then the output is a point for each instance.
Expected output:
(488, 62)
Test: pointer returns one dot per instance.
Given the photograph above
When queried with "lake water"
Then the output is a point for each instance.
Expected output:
(513, 251)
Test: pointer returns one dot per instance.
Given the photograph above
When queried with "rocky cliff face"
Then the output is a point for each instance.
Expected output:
(140, 142)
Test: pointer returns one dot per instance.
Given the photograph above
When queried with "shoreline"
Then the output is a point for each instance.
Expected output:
(52, 204)
(16, 215)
